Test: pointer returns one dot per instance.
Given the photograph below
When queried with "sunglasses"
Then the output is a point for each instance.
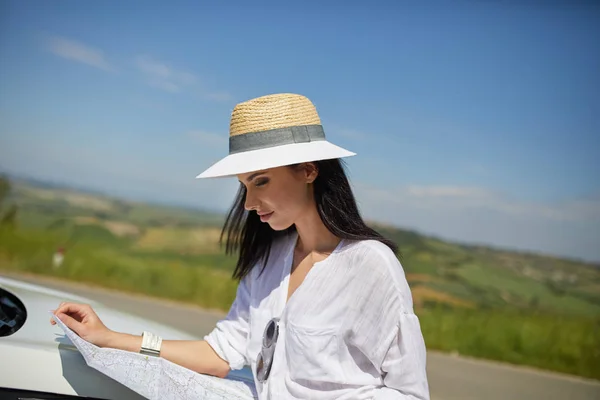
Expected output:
(265, 357)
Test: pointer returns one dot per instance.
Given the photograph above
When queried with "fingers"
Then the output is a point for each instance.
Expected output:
(72, 324)
(75, 311)
(72, 307)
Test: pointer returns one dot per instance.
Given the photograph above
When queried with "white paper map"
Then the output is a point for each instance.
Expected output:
(156, 377)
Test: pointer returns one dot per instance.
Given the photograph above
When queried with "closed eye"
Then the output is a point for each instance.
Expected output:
(261, 182)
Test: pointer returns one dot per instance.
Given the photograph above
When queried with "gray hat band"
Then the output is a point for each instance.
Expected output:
(275, 137)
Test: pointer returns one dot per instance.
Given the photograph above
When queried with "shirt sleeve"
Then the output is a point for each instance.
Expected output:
(404, 365)
(229, 337)
(387, 330)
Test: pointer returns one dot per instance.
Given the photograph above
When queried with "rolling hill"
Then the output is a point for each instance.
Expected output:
(439, 271)
(475, 300)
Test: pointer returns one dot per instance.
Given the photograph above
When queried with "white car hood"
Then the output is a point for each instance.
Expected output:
(40, 357)
(40, 300)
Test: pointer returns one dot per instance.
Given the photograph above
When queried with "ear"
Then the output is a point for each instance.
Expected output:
(310, 172)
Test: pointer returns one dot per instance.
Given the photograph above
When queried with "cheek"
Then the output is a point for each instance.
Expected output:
(290, 201)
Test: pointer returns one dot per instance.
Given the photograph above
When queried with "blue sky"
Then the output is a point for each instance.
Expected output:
(473, 121)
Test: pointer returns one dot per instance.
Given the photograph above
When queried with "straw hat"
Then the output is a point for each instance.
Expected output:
(273, 131)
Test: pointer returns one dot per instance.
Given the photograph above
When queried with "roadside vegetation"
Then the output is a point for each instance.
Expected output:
(515, 307)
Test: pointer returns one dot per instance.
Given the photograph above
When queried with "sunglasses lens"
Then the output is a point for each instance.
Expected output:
(260, 369)
(270, 333)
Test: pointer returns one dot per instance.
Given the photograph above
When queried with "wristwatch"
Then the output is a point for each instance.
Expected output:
(151, 344)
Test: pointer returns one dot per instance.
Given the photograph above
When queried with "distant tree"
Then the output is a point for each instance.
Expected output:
(101, 215)
(122, 206)
(58, 223)
(8, 218)
(556, 288)
(534, 302)
(4, 188)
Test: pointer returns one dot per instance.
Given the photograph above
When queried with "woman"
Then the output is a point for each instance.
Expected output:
(323, 309)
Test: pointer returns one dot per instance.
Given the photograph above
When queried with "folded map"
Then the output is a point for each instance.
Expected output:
(156, 377)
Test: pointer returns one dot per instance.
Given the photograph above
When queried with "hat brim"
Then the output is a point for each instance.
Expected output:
(271, 157)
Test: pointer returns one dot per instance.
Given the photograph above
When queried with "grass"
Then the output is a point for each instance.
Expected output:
(111, 267)
(563, 343)
(554, 342)
(181, 240)
(523, 292)
(482, 302)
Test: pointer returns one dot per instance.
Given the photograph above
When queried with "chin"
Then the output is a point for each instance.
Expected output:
(278, 226)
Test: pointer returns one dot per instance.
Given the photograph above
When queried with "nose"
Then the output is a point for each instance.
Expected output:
(251, 202)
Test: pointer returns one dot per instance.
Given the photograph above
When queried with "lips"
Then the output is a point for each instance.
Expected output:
(265, 216)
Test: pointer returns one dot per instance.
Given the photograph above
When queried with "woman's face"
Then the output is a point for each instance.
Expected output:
(280, 196)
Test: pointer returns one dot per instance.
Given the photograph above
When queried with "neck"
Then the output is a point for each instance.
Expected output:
(313, 235)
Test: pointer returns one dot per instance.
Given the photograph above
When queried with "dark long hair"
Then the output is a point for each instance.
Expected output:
(336, 206)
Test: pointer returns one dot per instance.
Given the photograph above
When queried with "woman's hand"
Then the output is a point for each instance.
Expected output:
(196, 355)
(82, 320)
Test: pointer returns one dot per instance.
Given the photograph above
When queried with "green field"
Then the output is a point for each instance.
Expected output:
(515, 307)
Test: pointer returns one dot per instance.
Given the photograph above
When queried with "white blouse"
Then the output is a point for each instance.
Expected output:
(347, 332)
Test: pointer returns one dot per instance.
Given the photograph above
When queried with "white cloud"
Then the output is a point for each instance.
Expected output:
(163, 76)
(219, 96)
(77, 51)
(447, 191)
(478, 215)
(464, 197)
